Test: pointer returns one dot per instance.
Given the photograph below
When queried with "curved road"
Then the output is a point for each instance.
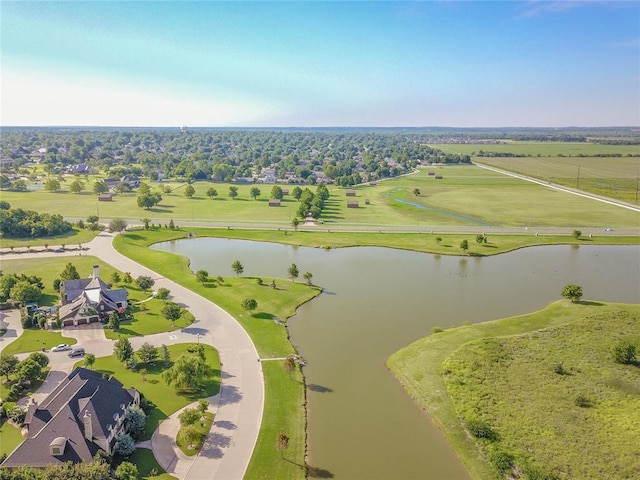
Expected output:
(230, 443)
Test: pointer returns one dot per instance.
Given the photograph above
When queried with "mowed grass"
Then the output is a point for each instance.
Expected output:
(419, 366)
(34, 339)
(145, 461)
(541, 423)
(71, 241)
(465, 196)
(11, 437)
(611, 177)
(543, 149)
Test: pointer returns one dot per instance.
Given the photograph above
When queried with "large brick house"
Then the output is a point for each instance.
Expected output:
(89, 300)
(85, 413)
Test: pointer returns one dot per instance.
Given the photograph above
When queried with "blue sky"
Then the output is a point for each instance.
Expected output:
(447, 63)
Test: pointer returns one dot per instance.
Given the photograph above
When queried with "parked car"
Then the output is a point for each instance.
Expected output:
(607, 229)
(61, 348)
(77, 352)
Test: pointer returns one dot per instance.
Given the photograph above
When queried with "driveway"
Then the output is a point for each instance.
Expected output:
(241, 398)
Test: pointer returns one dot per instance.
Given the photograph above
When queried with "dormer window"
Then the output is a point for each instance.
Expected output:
(56, 447)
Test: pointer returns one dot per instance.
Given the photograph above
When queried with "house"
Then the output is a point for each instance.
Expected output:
(83, 414)
(353, 204)
(351, 193)
(105, 197)
(274, 202)
(88, 300)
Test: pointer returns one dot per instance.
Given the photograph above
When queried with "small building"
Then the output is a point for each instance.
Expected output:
(84, 414)
(105, 197)
(373, 183)
(431, 173)
(438, 177)
(353, 204)
(351, 193)
(367, 201)
(274, 202)
(285, 191)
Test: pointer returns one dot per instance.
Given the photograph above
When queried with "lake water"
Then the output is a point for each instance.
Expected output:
(362, 425)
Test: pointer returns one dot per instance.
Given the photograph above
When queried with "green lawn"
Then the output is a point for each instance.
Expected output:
(544, 149)
(72, 240)
(419, 366)
(34, 339)
(10, 437)
(146, 463)
(166, 399)
(541, 424)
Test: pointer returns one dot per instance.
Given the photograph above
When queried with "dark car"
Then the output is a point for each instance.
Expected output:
(77, 352)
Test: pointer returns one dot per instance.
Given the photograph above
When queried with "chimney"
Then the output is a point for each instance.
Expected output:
(88, 426)
(96, 271)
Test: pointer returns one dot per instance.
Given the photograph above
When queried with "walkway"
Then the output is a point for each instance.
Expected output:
(230, 443)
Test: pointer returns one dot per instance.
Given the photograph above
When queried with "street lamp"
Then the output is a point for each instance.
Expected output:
(198, 339)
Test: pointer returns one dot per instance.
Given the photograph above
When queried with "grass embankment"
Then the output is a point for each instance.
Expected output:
(284, 397)
(72, 240)
(419, 367)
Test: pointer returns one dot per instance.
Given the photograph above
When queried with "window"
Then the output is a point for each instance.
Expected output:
(55, 451)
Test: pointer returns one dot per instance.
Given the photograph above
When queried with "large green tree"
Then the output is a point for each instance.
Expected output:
(572, 292)
(172, 312)
(188, 373)
(123, 350)
(237, 267)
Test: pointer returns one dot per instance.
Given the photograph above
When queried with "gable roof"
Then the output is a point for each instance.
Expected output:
(61, 415)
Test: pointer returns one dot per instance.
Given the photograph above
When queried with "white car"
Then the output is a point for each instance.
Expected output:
(61, 348)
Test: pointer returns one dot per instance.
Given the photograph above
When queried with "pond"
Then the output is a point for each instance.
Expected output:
(362, 425)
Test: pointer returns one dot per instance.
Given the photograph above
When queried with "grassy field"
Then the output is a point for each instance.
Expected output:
(543, 423)
(465, 196)
(419, 366)
(71, 241)
(544, 149)
(146, 463)
(34, 339)
(11, 437)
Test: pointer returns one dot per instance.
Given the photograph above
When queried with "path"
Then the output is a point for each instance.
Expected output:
(230, 443)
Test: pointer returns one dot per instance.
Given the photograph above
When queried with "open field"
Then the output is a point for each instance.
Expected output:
(543, 374)
(419, 366)
(465, 196)
(544, 149)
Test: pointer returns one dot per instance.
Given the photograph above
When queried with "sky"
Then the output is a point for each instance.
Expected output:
(320, 63)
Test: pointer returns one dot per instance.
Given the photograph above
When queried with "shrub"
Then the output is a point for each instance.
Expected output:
(559, 369)
(17, 414)
(436, 330)
(583, 401)
(481, 429)
(624, 352)
(501, 460)
(125, 445)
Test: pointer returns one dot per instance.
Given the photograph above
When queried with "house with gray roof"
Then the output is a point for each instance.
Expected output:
(85, 413)
(88, 300)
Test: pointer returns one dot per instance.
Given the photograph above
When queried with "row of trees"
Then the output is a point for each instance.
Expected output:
(19, 223)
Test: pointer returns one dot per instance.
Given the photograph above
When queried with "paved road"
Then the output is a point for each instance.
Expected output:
(230, 443)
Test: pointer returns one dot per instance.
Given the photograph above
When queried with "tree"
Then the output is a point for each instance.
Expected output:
(250, 305)
(127, 278)
(282, 443)
(481, 238)
(438, 240)
(40, 358)
(290, 364)
(189, 191)
(187, 373)
(166, 355)
(163, 293)
(70, 272)
(202, 276)
(572, 292)
(293, 272)
(52, 185)
(254, 192)
(464, 245)
(203, 406)
(147, 353)
(146, 201)
(29, 370)
(76, 186)
(189, 416)
(624, 352)
(19, 185)
(135, 420)
(212, 192)
(89, 360)
(114, 321)
(233, 191)
(191, 435)
(276, 192)
(296, 193)
(100, 187)
(8, 365)
(237, 267)
(25, 292)
(118, 225)
(295, 223)
(125, 445)
(123, 350)
(308, 276)
(145, 282)
(416, 191)
(115, 278)
(577, 234)
(172, 312)
(127, 471)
